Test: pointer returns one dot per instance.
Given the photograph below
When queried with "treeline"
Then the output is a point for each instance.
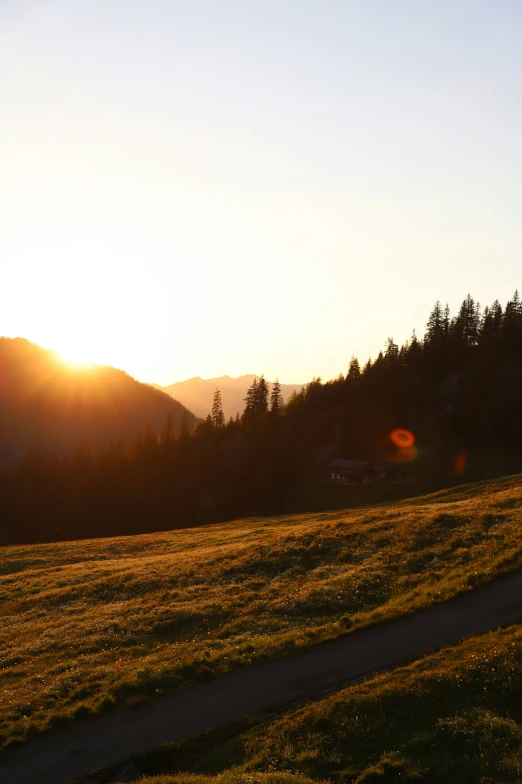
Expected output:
(159, 481)
(458, 389)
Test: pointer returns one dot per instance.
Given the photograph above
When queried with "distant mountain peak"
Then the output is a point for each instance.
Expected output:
(197, 393)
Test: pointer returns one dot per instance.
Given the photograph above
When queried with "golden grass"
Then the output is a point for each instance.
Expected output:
(92, 625)
(454, 716)
(232, 777)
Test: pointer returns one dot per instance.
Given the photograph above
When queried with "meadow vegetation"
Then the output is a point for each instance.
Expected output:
(455, 716)
(94, 625)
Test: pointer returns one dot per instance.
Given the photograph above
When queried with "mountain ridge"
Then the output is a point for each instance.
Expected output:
(50, 407)
(197, 393)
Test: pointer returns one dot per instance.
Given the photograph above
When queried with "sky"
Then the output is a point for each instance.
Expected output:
(205, 188)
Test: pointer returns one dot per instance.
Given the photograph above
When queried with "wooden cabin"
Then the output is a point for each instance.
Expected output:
(355, 472)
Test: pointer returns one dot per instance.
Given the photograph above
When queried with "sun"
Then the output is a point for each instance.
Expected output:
(77, 355)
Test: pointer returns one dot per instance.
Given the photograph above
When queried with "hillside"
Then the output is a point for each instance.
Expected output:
(100, 624)
(451, 717)
(46, 405)
(197, 393)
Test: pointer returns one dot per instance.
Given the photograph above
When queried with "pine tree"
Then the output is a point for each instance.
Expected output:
(276, 398)
(434, 327)
(413, 351)
(250, 401)
(263, 392)
(217, 416)
(496, 320)
(256, 400)
(466, 329)
(512, 324)
(354, 370)
(446, 322)
(392, 352)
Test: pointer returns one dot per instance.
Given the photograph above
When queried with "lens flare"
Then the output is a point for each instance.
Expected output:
(460, 463)
(402, 438)
(404, 442)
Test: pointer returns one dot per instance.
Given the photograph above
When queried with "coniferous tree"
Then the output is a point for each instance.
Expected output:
(497, 316)
(512, 325)
(434, 327)
(217, 416)
(392, 353)
(263, 392)
(168, 433)
(446, 322)
(256, 400)
(414, 351)
(466, 328)
(276, 398)
(250, 401)
(354, 370)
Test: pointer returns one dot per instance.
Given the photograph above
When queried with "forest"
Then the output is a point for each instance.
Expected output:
(457, 389)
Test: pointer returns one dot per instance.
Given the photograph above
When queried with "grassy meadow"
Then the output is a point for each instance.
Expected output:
(94, 625)
(450, 718)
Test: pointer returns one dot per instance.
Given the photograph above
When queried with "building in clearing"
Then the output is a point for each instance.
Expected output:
(355, 472)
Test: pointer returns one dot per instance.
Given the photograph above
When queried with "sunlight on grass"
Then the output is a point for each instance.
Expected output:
(233, 777)
(455, 716)
(94, 625)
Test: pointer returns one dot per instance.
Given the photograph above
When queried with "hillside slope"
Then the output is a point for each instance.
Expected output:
(454, 716)
(197, 393)
(48, 406)
(211, 708)
(98, 624)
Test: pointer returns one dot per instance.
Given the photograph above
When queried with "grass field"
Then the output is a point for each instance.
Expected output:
(451, 718)
(90, 626)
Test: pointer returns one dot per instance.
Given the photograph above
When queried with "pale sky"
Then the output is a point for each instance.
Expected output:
(254, 186)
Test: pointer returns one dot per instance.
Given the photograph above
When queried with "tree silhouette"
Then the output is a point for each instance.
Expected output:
(256, 401)
(217, 416)
(434, 327)
(263, 392)
(276, 398)
(354, 370)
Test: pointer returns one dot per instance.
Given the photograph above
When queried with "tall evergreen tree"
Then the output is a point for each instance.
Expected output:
(256, 400)
(250, 401)
(446, 322)
(414, 351)
(392, 352)
(276, 398)
(168, 433)
(466, 329)
(263, 392)
(217, 416)
(354, 370)
(512, 324)
(434, 327)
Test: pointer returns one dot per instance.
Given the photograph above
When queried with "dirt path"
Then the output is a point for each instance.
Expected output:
(112, 739)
